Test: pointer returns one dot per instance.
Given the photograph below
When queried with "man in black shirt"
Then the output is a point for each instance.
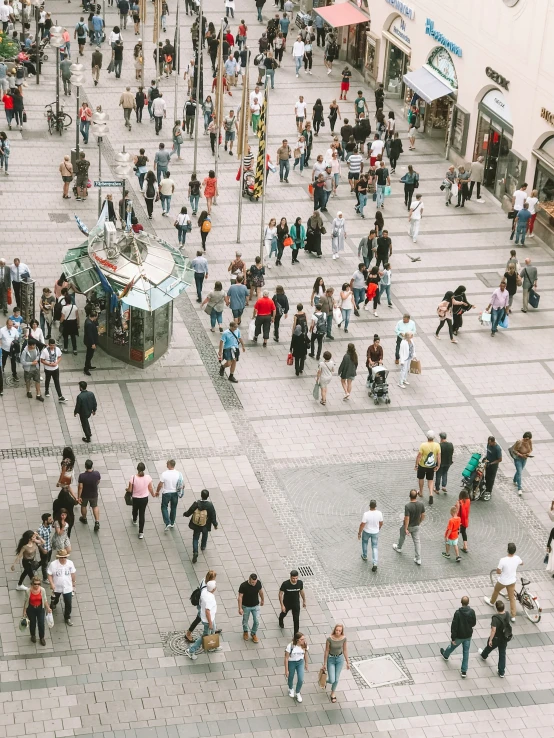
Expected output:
(251, 598)
(90, 340)
(501, 633)
(447, 454)
(379, 96)
(88, 493)
(461, 631)
(383, 250)
(289, 598)
(85, 406)
(414, 515)
(494, 458)
(345, 132)
(383, 180)
(201, 524)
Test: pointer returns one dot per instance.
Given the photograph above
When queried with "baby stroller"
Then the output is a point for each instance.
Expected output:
(473, 476)
(248, 184)
(378, 385)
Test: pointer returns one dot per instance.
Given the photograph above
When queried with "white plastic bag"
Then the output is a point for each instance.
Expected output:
(251, 329)
(337, 315)
(50, 619)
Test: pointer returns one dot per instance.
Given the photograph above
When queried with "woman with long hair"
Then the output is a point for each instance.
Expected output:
(177, 137)
(150, 192)
(26, 552)
(318, 291)
(270, 241)
(256, 278)
(210, 189)
(282, 233)
(34, 607)
(184, 225)
(334, 658)
(210, 576)
(347, 369)
(410, 180)
(205, 225)
(511, 277)
(66, 498)
(296, 662)
(334, 113)
(347, 304)
(207, 109)
(194, 192)
(140, 486)
(444, 311)
(317, 115)
(60, 537)
(374, 356)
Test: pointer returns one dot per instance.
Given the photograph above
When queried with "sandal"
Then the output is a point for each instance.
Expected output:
(322, 402)
(333, 699)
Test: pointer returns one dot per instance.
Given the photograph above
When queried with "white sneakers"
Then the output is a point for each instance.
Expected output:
(395, 546)
(488, 602)
(191, 655)
(401, 385)
(22, 588)
(141, 535)
(291, 693)
(299, 697)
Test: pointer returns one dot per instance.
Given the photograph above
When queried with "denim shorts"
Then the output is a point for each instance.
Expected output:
(451, 541)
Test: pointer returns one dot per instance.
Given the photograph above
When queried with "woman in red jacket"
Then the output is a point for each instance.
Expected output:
(462, 511)
(8, 107)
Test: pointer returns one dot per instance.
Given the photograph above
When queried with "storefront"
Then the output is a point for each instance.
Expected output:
(544, 184)
(356, 47)
(371, 60)
(353, 27)
(397, 58)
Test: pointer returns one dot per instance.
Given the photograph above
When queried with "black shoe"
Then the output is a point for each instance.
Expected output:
(86, 371)
(83, 520)
(86, 440)
(96, 526)
(221, 370)
(374, 567)
(281, 624)
(311, 356)
(442, 654)
(30, 395)
(194, 558)
(330, 338)
(232, 379)
(430, 500)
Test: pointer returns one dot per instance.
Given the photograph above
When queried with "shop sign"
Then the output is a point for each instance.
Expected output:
(441, 62)
(105, 263)
(496, 102)
(498, 78)
(402, 8)
(149, 353)
(398, 28)
(439, 38)
(547, 116)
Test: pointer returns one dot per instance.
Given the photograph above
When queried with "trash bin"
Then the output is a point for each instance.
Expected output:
(74, 158)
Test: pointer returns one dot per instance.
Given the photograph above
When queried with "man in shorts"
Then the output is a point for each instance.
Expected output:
(427, 462)
(237, 294)
(88, 493)
(30, 361)
(230, 126)
(229, 351)
(300, 113)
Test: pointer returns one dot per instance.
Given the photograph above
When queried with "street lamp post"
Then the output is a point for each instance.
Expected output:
(77, 72)
(123, 168)
(99, 129)
(56, 41)
(37, 4)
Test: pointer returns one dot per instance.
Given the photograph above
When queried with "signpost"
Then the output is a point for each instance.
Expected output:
(108, 183)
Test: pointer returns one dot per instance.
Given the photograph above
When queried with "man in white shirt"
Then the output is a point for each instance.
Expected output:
(159, 110)
(208, 609)
(166, 190)
(519, 198)
(8, 335)
(255, 95)
(61, 575)
(415, 216)
(172, 483)
(50, 358)
(300, 112)
(5, 14)
(298, 53)
(372, 522)
(376, 149)
(19, 272)
(507, 577)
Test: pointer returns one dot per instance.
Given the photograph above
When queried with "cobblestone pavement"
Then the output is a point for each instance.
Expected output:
(289, 478)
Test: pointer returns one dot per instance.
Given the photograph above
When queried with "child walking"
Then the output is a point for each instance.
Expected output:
(451, 535)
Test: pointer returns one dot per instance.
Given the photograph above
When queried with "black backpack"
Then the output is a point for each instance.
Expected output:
(195, 596)
(507, 628)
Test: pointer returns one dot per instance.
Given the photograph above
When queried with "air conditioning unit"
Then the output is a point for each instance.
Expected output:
(110, 237)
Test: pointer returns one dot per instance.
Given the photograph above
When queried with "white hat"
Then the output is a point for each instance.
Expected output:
(210, 586)
(430, 434)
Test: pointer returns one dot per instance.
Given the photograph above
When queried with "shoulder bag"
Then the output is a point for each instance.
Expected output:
(129, 494)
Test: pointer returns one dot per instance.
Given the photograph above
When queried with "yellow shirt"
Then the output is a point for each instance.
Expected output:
(429, 447)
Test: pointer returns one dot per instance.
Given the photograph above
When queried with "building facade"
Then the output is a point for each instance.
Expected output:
(481, 75)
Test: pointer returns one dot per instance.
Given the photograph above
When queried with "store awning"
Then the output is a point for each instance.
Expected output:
(343, 14)
(427, 86)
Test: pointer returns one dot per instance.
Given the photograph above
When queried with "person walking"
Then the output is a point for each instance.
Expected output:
(299, 348)
(26, 552)
(476, 177)
(325, 375)
(529, 275)
(415, 216)
(183, 225)
(370, 527)
(195, 597)
(200, 267)
(520, 452)
(50, 358)
(150, 192)
(96, 63)
(202, 516)
(282, 308)
(208, 610)
(210, 189)
(446, 458)
(214, 303)
(347, 370)
(334, 658)
(463, 189)
(519, 198)
(428, 461)
(533, 204)
(264, 315)
(159, 110)
(507, 577)
(45, 549)
(85, 406)
(462, 511)
(318, 328)
(90, 339)
(30, 363)
(290, 592)
(414, 515)
(494, 458)
(194, 193)
(407, 354)
(34, 608)
(513, 280)
(251, 597)
(451, 534)
(161, 162)
(411, 182)
(140, 486)
(444, 311)
(461, 632)
(171, 486)
(87, 491)
(237, 294)
(166, 189)
(296, 663)
(347, 304)
(338, 234)
(522, 220)
(499, 637)
(498, 305)
(229, 350)
(62, 578)
(298, 234)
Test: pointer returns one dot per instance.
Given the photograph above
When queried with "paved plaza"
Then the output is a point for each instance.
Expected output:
(289, 478)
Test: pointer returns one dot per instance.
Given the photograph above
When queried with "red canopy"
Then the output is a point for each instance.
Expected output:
(343, 14)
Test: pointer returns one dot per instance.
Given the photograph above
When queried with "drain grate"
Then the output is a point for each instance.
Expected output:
(305, 571)
(380, 671)
(59, 217)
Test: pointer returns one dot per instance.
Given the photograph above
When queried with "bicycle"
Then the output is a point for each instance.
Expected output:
(59, 122)
(529, 603)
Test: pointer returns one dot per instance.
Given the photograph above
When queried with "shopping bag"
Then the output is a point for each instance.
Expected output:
(311, 190)
(289, 360)
(251, 330)
(503, 323)
(23, 624)
(9, 296)
(315, 391)
(322, 678)
(485, 317)
(128, 498)
(388, 191)
(210, 641)
(50, 620)
(337, 315)
(415, 366)
(534, 298)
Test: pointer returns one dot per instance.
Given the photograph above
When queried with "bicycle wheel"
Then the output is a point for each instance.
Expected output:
(494, 579)
(67, 120)
(50, 124)
(531, 607)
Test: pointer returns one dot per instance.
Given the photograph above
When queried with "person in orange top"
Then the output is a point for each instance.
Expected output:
(451, 535)
(462, 510)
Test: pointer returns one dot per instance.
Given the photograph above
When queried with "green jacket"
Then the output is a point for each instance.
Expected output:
(298, 238)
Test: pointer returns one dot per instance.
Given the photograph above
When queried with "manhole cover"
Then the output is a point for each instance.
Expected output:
(59, 217)
(9, 381)
(381, 671)
(176, 642)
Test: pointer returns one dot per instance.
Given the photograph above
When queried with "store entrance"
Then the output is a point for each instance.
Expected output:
(494, 142)
(356, 49)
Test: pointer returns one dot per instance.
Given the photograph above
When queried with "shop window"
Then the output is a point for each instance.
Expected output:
(460, 125)
(515, 172)
(544, 184)
(370, 63)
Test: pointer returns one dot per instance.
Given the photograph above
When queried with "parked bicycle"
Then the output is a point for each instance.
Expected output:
(57, 122)
(529, 603)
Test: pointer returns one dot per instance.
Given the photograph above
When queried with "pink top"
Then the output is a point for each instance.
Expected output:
(140, 485)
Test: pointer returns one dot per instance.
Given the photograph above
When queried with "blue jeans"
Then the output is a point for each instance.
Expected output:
(300, 161)
(497, 316)
(374, 537)
(198, 642)
(465, 643)
(84, 127)
(182, 235)
(169, 498)
(199, 279)
(362, 202)
(284, 169)
(345, 317)
(216, 317)
(260, 17)
(194, 200)
(271, 74)
(195, 537)
(520, 466)
(298, 63)
(359, 295)
(207, 119)
(380, 195)
(521, 230)
(441, 478)
(501, 645)
(255, 619)
(329, 324)
(160, 172)
(334, 668)
(385, 288)
(98, 37)
(296, 667)
(166, 202)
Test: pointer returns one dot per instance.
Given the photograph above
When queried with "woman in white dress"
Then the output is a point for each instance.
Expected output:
(338, 234)
(270, 241)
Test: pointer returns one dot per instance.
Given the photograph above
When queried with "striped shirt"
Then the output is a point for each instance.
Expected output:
(247, 161)
(355, 163)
